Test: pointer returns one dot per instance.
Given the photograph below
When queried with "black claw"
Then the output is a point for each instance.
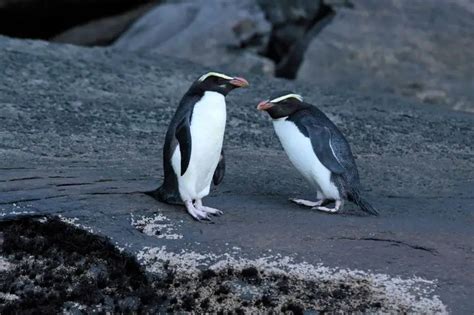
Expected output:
(207, 218)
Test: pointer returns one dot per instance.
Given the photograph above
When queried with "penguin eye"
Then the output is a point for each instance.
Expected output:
(221, 82)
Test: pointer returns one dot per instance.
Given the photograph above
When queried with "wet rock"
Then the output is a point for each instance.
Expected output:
(210, 33)
(420, 49)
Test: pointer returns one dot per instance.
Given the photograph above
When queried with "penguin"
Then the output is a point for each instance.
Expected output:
(318, 150)
(192, 153)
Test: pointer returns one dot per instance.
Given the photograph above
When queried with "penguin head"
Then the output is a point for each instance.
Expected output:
(218, 82)
(282, 104)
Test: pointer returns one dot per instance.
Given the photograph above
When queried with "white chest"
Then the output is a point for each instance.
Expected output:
(302, 156)
(208, 122)
(296, 145)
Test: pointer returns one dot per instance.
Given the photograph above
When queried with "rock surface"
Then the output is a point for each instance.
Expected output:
(81, 131)
(422, 49)
(210, 33)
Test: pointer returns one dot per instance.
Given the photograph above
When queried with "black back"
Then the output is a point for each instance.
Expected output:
(315, 125)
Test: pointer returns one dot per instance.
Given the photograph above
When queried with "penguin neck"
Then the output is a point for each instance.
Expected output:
(280, 119)
(215, 102)
(214, 96)
(209, 113)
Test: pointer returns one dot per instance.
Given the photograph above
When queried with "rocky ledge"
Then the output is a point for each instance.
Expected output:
(81, 131)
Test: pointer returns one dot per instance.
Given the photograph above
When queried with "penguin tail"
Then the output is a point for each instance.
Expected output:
(165, 195)
(363, 203)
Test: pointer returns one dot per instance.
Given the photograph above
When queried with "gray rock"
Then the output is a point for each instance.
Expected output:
(101, 32)
(81, 132)
(421, 49)
(210, 33)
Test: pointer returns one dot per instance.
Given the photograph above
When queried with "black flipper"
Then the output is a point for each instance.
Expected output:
(220, 170)
(362, 203)
(321, 142)
(183, 134)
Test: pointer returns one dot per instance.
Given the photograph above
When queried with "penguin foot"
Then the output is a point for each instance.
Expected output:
(213, 211)
(197, 214)
(325, 209)
(307, 203)
(338, 205)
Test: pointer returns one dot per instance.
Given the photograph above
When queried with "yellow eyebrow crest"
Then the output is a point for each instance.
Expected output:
(214, 74)
(284, 97)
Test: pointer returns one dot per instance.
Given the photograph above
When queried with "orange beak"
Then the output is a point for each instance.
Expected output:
(264, 105)
(239, 82)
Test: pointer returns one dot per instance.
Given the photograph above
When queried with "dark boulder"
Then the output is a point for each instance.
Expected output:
(293, 24)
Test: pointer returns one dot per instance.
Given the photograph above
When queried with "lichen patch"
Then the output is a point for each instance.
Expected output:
(204, 282)
(157, 225)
